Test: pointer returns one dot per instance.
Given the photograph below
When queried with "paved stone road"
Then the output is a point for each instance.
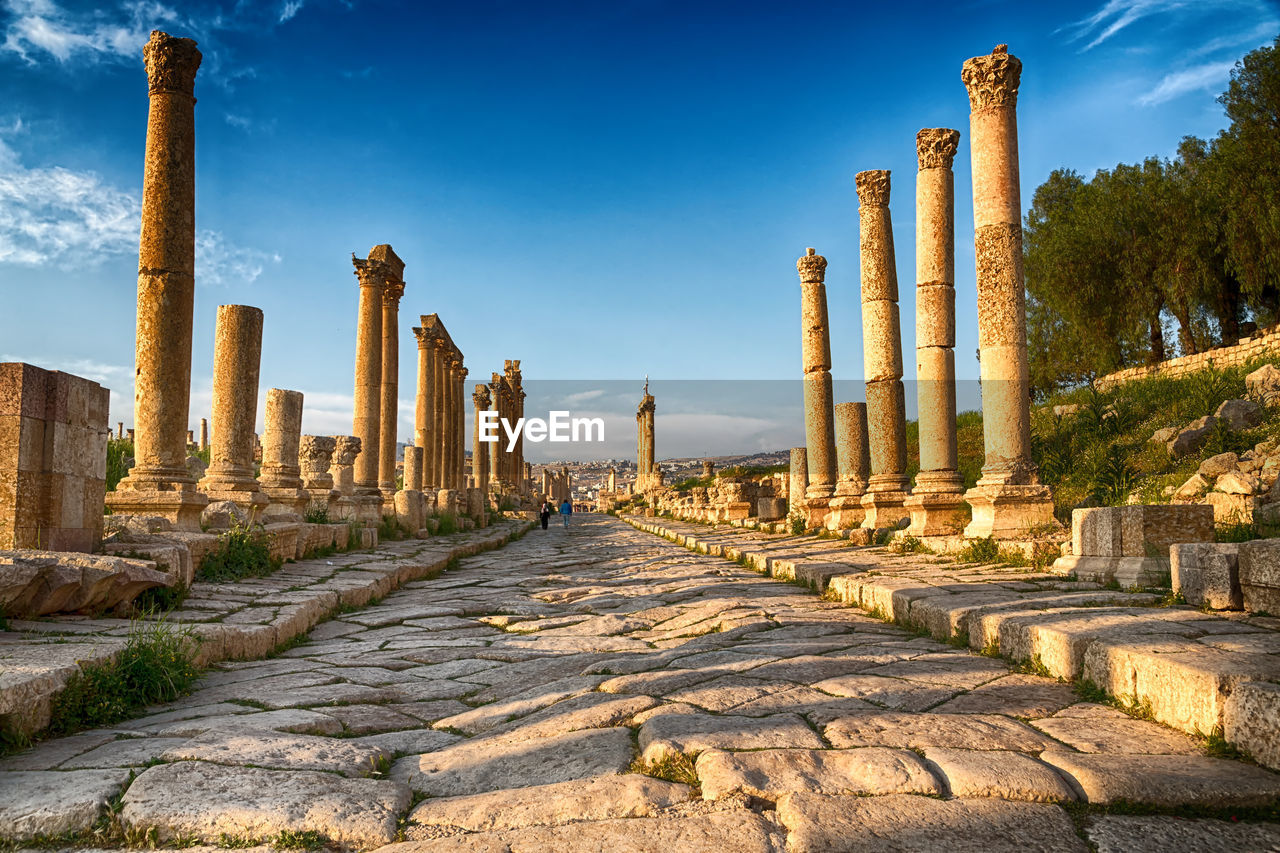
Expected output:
(508, 705)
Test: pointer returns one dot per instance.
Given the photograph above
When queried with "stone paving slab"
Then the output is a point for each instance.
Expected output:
(46, 803)
(1166, 780)
(279, 751)
(1123, 834)
(772, 773)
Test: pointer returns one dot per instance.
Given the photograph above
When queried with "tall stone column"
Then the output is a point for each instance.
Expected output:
(936, 503)
(496, 455)
(237, 358)
(797, 483)
(390, 394)
(281, 477)
(640, 449)
(315, 455)
(367, 420)
(1009, 499)
(423, 424)
(159, 483)
(882, 356)
(439, 390)
(449, 458)
(460, 416)
(853, 458)
(480, 449)
(815, 349)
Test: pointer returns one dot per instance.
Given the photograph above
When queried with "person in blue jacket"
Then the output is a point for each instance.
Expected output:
(566, 510)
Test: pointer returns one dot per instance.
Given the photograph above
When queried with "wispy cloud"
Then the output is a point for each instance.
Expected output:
(1211, 76)
(54, 215)
(1116, 15)
(289, 9)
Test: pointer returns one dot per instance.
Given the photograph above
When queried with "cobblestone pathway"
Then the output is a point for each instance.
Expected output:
(529, 699)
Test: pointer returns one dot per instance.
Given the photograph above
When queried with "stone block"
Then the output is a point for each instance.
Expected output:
(1251, 721)
(771, 509)
(1260, 575)
(1240, 414)
(1264, 384)
(1207, 574)
(1193, 436)
(1138, 531)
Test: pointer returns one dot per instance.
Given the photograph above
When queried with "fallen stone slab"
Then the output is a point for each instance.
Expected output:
(997, 773)
(920, 731)
(590, 711)
(688, 733)
(281, 751)
(739, 831)
(1166, 780)
(598, 798)
(1118, 834)
(902, 822)
(207, 801)
(490, 764)
(410, 741)
(49, 803)
(771, 773)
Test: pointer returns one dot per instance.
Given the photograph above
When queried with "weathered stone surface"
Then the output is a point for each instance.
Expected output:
(687, 733)
(1097, 728)
(1260, 575)
(597, 798)
(1139, 530)
(289, 720)
(1193, 436)
(129, 752)
(1166, 780)
(1207, 574)
(1240, 414)
(1251, 721)
(489, 764)
(39, 802)
(1216, 466)
(279, 751)
(1238, 483)
(1016, 695)
(410, 742)
(1264, 384)
(39, 583)
(739, 830)
(897, 694)
(194, 798)
(996, 773)
(961, 731)
(771, 773)
(901, 822)
(1124, 834)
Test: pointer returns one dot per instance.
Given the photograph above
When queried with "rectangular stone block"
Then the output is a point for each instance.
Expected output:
(1207, 574)
(1260, 575)
(1138, 531)
(771, 509)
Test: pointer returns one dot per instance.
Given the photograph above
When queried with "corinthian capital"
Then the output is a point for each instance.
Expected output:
(392, 292)
(936, 147)
(873, 187)
(371, 273)
(171, 64)
(811, 266)
(481, 397)
(992, 80)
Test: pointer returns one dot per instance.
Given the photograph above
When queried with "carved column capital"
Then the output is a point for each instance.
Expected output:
(392, 292)
(992, 80)
(347, 449)
(873, 187)
(171, 64)
(481, 397)
(936, 147)
(370, 273)
(812, 268)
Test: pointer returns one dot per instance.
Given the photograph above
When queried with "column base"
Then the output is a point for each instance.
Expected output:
(884, 509)
(342, 508)
(181, 504)
(369, 509)
(815, 511)
(846, 512)
(296, 500)
(1006, 511)
(936, 514)
(251, 502)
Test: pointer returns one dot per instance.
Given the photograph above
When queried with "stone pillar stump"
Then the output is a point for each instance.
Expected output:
(237, 358)
(281, 477)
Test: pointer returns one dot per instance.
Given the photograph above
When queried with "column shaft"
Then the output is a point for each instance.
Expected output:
(237, 358)
(389, 417)
(366, 423)
(815, 351)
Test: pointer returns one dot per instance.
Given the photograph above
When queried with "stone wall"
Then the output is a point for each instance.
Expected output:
(1266, 342)
(53, 459)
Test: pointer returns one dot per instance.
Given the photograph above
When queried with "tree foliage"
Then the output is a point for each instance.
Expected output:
(1164, 257)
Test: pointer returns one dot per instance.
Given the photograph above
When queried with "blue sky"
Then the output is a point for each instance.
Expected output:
(601, 190)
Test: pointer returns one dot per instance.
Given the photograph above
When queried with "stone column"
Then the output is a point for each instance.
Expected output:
(480, 449)
(237, 358)
(936, 503)
(1009, 499)
(448, 459)
(412, 467)
(423, 424)
(315, 455)
(819, 429)
(204, 433)
(640, 477)
(708, 468)
(853, 458)
(346, 451)
(460, 417)
(613, 480)
(882, 356)
(439, 382)
(495, 448)
(159, 483)
(390, 394)
(367, 420)
(281, 476)
(120, 429)
(797, 483)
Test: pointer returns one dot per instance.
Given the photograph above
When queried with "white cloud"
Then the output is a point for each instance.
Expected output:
(290, 8)
(1116, 15)
(1211, 76)
(219, 263)
(42, 27)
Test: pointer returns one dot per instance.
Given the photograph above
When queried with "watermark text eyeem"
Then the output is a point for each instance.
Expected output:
(559, 426)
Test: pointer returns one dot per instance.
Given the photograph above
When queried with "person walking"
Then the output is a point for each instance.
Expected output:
(566, 510)
(545, 513)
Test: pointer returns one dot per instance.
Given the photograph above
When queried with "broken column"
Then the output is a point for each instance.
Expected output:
(204, 433)
(480, 449)
(389, 414)
(237, 358)
(797, 482)
(159, 482)
(1009, 500)
(461, 417)
(281, 477)
(853, 458)
(423, 424)
(345, 453)
(815, 352)
(315, 456)
(882, 356)
(937, 501)
(367, 418)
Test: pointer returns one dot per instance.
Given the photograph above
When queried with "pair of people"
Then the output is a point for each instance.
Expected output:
(566, 510)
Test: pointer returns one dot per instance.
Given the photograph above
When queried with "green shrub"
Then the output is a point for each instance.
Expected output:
(241, 552)
(389, 529)
(979, 551)
(798, 526)
(317, 515)
(156, 665)
(448, 523)
(118, 450)
(160, 599)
